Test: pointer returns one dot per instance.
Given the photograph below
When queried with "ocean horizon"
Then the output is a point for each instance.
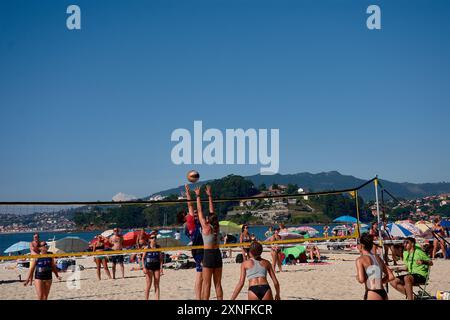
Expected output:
(8, 239)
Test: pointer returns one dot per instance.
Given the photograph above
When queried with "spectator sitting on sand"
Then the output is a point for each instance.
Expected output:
(313, 252)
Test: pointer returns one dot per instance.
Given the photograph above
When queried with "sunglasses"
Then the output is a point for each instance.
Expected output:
(152, 238)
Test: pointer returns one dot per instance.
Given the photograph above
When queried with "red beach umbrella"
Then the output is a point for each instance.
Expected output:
(130, 238)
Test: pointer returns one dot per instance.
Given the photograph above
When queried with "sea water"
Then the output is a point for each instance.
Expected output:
(8, 239)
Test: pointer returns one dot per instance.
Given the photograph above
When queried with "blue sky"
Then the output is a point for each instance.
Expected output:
(87, 114)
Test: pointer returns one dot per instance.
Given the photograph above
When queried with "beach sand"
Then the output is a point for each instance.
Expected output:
(333, 280)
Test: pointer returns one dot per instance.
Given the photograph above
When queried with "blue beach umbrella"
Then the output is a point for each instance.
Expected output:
(396, 230)
(348, 219)
(445, 223)
(19, 246)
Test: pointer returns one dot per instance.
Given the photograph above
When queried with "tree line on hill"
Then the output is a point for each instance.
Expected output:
(232, 186)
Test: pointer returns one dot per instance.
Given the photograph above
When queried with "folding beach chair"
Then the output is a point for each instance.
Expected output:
(421, 293)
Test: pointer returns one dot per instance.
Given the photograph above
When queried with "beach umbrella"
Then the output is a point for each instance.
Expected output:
(229, 227)
(130, 238)
(397, 230)
(68, 244)
(404, 221)
(307, 229)
(19, 246)
(445, 223)
(107, 233)
(410, 227)
(424, 226)
(289, 235)
(295, 251)
(345, 219)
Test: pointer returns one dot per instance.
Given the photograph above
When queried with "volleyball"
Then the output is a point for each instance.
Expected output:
(193, 176)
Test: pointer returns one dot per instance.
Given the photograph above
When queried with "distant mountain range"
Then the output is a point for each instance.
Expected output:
(333, 180)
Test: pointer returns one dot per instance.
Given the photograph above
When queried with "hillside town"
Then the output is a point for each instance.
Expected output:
(419, 209)
(36, 222)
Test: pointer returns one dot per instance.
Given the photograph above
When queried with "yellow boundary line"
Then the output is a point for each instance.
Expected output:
(179, 248)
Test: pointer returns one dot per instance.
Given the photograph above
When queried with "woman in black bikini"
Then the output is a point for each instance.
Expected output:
(152, 266)
(255, 269)
(212, 258)
(371, 270)
(42, 270)
(245, 237)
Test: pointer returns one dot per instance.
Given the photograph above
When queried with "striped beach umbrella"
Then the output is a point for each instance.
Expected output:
(410, 227)
(397, 230)
(424, 226)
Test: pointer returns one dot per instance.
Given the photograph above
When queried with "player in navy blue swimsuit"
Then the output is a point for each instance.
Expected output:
(42, 271)
(152, 266)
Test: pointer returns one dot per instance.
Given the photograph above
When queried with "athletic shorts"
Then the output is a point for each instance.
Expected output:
(418, 279)
(153, 266)
(43, 275)
(117, 259)
(198, 257)
(212, 258)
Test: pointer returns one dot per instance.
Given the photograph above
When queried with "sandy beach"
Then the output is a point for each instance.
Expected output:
(332, 280)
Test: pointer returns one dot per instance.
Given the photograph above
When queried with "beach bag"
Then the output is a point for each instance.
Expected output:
(239, 258)
(302, 258)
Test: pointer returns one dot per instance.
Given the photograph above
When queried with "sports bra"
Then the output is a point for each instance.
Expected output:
(257, 271)
(374, 274)
(209, 239)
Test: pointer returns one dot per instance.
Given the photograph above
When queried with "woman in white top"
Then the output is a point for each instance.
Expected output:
(371, 270)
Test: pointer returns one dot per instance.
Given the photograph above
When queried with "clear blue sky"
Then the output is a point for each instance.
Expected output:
(86, 114)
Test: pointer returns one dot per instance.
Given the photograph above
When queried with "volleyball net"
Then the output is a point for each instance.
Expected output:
(142, 214)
